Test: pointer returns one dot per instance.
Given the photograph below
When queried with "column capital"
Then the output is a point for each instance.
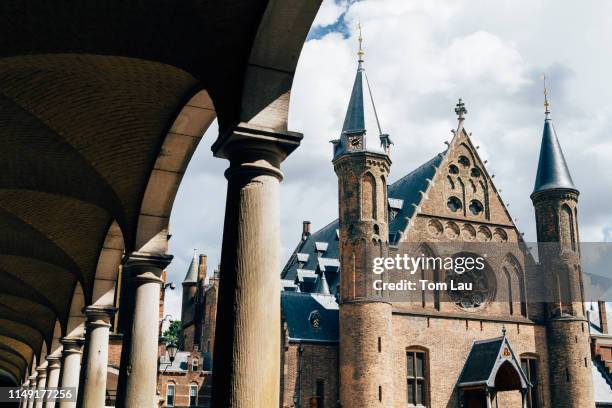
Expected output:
(26, 383)
(54, 362)
(32, 378)
(42, 372)
(72, 345)
(145, 267)
(247, 143)
(99, 315)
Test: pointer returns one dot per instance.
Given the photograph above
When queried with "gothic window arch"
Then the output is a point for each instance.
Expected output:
(508, 290)
(430, 273)
(566, 224)
(368, 196)
(513, 267)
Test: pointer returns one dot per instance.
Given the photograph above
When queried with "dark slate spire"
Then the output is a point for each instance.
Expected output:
(553, 172)
(361, 114)
(192, 272)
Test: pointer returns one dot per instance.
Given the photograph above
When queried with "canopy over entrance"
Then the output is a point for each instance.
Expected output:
(491, 367)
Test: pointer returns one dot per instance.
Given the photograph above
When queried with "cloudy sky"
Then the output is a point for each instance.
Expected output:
(421, 56)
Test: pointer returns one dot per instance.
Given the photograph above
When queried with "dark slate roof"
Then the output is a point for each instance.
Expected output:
(484, 361)
(409, 189)
(552, 169)
(481, 361)
(354, 121)
(326, 234)
(297, 309)
(404, 192)
(192, 272)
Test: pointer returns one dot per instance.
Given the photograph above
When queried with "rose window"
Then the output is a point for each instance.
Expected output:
(469, 289)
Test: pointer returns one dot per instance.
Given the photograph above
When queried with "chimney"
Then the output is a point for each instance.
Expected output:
(305, 230)
(603, 318)
(202, 267)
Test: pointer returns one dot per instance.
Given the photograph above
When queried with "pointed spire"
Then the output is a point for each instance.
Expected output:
(361, 108)
(322, 286)
(192, 272)
(553, 172)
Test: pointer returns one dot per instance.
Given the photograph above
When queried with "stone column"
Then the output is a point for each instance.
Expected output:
(32, 379)
(247, 342)
(96, 344)
(53, 373)
(23, 403)
(71, 367)
(41, 382)
(141, 371)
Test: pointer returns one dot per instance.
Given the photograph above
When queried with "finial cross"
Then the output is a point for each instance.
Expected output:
(460, 109)
(360, 53)
(546, 103)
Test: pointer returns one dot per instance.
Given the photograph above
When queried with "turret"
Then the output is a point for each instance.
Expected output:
(195, 276)
(365, 314)
(555, 199)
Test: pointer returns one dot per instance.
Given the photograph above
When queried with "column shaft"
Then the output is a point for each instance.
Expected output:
(41, 382)
(71, 368)
(30, 403)
(247, 343)
(53, 373)
(96, 344)
(141, 379)
(23, 403)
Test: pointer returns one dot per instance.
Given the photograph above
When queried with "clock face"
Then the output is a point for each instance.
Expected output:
(356, 142)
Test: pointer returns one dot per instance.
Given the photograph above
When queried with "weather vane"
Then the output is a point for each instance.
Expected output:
(546, 103)
(360, 53)
(460, 109)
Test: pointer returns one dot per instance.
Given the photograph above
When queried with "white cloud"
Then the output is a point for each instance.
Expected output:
(329, 13)
(421, 55)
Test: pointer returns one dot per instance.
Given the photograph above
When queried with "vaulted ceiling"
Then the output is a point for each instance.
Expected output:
(88, 93)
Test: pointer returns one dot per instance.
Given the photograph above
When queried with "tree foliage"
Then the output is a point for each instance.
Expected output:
(172, 334)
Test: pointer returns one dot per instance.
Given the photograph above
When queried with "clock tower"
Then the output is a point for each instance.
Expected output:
(365, 329)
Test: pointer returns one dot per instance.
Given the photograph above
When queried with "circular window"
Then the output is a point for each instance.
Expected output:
(468, 290)
(475, 207)
(454, 204)
(452, 169)
(475, 172)
(464, 161)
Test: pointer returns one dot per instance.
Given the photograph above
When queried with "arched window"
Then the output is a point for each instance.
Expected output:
(417, 381)
(194, 364)
(170, 395)
(193, 395)
(368, 196)
(509, 292)
(565, 226)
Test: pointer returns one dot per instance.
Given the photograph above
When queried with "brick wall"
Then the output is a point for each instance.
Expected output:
(302, 365)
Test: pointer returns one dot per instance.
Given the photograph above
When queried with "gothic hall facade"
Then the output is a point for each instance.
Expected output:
(345, 343)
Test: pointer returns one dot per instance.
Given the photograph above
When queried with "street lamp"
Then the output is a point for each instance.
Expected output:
(171, 349)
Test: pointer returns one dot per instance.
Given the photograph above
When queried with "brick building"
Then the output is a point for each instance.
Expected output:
(186, 381)
(346, 343)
